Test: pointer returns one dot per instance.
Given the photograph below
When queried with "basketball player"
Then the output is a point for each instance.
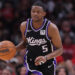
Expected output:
(39, 36)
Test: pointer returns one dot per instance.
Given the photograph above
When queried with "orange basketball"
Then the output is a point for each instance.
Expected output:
(7, 50)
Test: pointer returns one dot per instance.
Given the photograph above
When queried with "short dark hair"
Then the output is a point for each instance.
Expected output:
(41, 4)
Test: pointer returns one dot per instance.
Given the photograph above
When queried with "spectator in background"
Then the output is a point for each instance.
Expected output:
(2, 66)
(66, 29)
(19, 64)
(50, 6)
(68, 55)
(65, 69)
(20, 59)
(6, 72)
(23, 70)
(59, 11)
(61, 71)
(70, 67)
(69, 48)
(8, 11)
(24, 9)
(68, 5)
(1, 69)
(8, 15)
(4, 33)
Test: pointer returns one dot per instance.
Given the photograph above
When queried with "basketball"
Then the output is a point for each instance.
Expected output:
(7, 50)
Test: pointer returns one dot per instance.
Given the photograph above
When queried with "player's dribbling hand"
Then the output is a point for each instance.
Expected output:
(40, 60)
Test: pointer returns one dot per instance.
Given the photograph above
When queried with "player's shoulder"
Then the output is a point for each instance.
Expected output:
(53, 27)
(52, 30)
(23, 25)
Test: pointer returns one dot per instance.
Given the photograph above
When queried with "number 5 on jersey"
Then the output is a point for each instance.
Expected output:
(44, 48)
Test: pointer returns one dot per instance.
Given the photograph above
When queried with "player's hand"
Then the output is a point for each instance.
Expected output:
(40, 60)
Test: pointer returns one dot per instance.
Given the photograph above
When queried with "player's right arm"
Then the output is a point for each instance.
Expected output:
(22, 44)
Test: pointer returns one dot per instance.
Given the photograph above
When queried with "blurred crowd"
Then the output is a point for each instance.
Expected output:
(60, 12)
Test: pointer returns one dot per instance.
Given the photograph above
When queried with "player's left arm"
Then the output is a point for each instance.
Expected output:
(53, 33)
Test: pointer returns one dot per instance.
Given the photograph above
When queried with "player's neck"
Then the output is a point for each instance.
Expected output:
(37, 24)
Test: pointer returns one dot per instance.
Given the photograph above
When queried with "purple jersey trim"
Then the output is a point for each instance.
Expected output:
(47, 30)
(26, 27)
(40, 27)
(54, 62)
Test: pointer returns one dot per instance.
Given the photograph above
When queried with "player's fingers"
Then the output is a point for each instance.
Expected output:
(36, 63)
(37, 59)
(40, 58)
(39, 63)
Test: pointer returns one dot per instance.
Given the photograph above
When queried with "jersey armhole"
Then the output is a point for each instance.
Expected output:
(47, 31)
(26, 27)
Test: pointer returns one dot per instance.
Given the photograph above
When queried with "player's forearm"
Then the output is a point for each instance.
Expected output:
(56, 53)
(21, 46)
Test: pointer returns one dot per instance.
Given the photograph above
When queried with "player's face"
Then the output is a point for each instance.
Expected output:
(37, 13)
